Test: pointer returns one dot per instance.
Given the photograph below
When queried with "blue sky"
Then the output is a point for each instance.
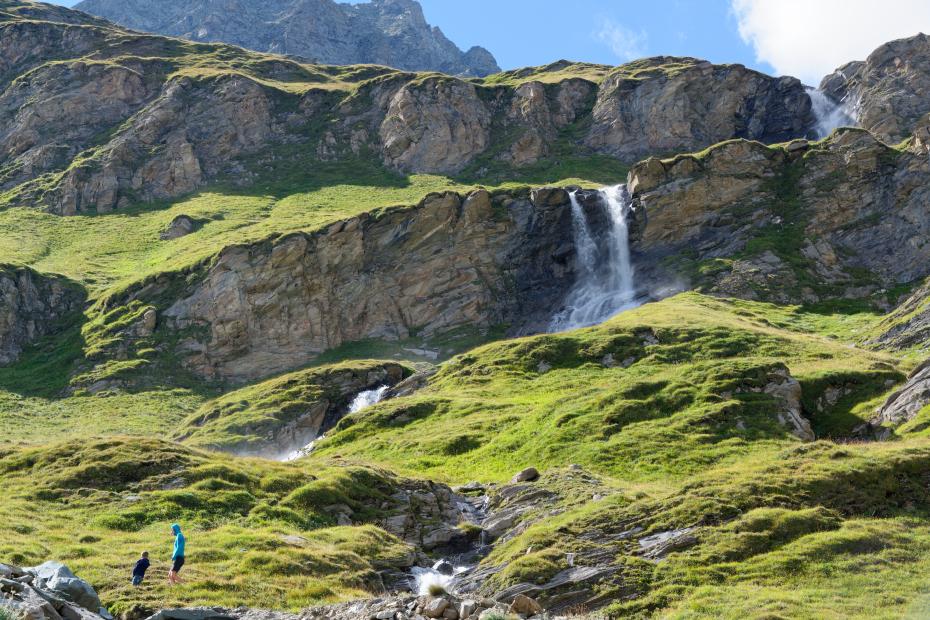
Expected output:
(531, 32)
(804, 38)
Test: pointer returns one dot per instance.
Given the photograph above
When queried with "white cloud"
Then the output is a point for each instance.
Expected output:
(810, 38)
(625, 43)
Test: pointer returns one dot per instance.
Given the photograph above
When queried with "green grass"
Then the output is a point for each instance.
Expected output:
(685, 402)
(257, 531)
(114, 249)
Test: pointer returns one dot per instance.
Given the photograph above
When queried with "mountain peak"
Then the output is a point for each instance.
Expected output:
(394, 33)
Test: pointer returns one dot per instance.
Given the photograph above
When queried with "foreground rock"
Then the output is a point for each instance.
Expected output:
(31, 306)
(49, 591)
(444, 606)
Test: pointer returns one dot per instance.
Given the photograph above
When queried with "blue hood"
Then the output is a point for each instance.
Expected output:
(176, 529)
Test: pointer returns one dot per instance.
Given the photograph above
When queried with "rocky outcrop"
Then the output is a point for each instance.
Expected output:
(437, 125)
(908, 325)
(278, 418)
(666, 105)
(393, 33)
(906, 402)
(789, 224)
(427, 515)
(451, 262)
(887, 91)
(97, 118)
(49, 591)
(180, 226)
(31, 306)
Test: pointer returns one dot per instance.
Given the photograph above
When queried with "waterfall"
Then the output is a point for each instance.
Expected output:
(604, 286)
(361, 400)
(367, 398)
(828, 114)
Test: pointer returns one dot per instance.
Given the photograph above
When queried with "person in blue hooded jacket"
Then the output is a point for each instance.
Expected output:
(177, 558)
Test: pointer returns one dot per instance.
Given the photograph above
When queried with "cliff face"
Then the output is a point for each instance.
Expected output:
(887, 92)
(31, 306)
(451, 262)
(799, 223)
(665, 105)
(393, 33)
(95, 118)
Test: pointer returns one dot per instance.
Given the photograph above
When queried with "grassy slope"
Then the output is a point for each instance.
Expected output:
(785, 529)
(96, 504)
(675, 445)
(671, 413)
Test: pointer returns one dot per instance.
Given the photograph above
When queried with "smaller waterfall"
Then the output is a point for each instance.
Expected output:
(829, 114)
(604, 284)
(361, 400)
(368, 398)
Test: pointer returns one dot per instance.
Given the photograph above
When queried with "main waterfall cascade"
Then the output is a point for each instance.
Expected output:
(604, 284)
(829, 114)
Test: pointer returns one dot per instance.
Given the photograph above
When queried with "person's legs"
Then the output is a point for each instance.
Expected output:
(136, 580)
(173, 575)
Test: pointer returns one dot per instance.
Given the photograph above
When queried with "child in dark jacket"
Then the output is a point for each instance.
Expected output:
(138, 572)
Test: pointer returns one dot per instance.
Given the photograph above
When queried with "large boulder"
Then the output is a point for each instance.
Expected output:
(58, 578)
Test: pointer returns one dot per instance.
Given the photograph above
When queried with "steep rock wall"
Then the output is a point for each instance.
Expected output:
(451, 262)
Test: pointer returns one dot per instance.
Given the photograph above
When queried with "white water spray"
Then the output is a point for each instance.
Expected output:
(829, 114)
(361, 400)
(368, 398)
(424, 577)
(603, 287)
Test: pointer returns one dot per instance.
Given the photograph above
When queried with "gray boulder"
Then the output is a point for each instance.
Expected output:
(58, 578)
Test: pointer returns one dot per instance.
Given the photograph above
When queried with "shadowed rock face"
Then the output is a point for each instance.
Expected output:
(31, 306)
(888, 90)
(448, 263)
(393, 33)
(843, 218)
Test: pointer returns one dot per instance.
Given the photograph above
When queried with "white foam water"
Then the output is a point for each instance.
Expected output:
(368, 398)
(361, 400)
(828, 114)
(423, 578)
(605, 286)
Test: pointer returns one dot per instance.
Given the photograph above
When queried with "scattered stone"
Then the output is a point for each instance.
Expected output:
(180, 226)
(435, 607)
(527, 475)
(659, 545)
(525, 606)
